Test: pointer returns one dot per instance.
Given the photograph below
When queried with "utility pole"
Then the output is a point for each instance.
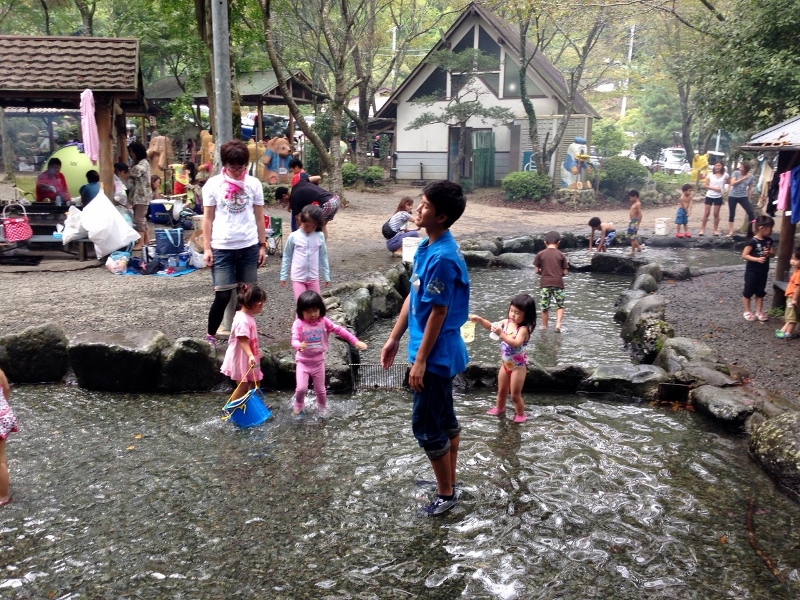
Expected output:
(223, 126)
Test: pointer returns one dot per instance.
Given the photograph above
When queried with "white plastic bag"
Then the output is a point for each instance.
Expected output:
(198, 261)
(106, 227)
(73, 228)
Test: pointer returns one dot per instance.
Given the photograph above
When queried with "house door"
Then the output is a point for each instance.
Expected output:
(465, 165)
(483, 158)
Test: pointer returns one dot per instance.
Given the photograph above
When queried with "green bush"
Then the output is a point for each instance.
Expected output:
(373, 176)
(620, 174)
(349, 173)
(467, 185)
(667, 184)
(525, 184)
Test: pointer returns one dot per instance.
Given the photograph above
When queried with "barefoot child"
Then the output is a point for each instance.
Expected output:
(514, 333)
(635, 216)
(551, 266)
(243, 357)
(8, 424)
(305, 256)
(757, 253)
(792, 298)
(433, 313)
(605, 231)
(310, 338)
(684, 210)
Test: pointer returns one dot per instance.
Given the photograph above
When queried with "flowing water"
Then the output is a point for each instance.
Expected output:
(155, 497)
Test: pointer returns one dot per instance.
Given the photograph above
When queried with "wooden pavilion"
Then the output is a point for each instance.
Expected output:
(52, 72)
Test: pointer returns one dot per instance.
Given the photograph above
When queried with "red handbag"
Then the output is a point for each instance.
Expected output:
(16, 228)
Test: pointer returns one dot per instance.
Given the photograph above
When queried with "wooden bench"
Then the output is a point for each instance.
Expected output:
(81, 243)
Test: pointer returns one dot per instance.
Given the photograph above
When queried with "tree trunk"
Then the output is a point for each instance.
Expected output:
(87, 16)
(46, 11)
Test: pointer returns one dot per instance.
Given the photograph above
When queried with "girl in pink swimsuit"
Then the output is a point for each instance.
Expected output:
(8, 423)
(514, 333)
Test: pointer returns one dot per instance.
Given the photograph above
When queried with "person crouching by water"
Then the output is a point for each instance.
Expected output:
(396, 228)
(234, 237)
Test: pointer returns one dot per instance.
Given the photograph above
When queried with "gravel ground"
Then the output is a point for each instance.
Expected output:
(81, 297)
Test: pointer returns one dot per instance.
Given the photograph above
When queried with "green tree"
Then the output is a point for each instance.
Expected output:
(464, 102)
(609, 139)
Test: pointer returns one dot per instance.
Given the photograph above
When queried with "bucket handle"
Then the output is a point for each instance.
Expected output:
(242, 406)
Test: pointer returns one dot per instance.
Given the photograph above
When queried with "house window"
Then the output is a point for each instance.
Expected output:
(434, 85)
(492, 81)
(458, 81)
(489, 47)
(511, 81)
(467, 42)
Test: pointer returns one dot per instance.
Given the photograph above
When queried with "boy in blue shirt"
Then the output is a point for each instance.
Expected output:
(433, 313)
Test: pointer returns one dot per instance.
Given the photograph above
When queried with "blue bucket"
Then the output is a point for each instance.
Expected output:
(248, 411)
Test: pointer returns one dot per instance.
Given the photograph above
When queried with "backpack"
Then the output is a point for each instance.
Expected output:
(387, 231)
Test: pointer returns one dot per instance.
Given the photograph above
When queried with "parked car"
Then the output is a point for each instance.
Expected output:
(672, 160)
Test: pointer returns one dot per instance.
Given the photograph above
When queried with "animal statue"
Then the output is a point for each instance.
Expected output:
(699, 167)
(159, 153)
(575, 165)
(206, 148)
(276, 161)
(261, 147)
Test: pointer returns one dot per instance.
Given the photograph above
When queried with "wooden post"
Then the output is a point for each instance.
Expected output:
(104, 117)
(260, 121)
(785, 247)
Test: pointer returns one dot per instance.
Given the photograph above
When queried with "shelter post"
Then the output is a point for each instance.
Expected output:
(106, 167)
(785, 247)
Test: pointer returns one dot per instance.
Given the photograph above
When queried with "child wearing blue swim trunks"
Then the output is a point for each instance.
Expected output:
(433, 313)
(605, 232)
(684, 210)
(635, 215)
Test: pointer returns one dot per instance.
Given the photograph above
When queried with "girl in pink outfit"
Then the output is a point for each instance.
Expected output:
(305, 255)
(310, 338)
(242, 359)
(8, 424)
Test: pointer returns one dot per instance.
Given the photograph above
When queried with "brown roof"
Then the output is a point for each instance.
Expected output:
(53, 71)
(783, 136)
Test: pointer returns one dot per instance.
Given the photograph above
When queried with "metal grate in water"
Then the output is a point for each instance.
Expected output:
(373, 375)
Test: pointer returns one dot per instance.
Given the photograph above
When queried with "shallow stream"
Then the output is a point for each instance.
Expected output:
(155, 497)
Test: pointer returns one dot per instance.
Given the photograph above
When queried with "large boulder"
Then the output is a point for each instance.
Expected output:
(338, 373)
(357, 311)
(398, 276)
(678, 272)
(190, 364)
(644, 329)
(696, 374)
(625, 381)
(775, 444)
(537, 378)
(493, 245)
(729, 406)
(118, 362)
(652, 269)
(617, 264)
(567, 378)
(514, 261)
(478, 258)
(519, 244)
(480, 374)
(37, 354)
(625, 303)
(645, 282)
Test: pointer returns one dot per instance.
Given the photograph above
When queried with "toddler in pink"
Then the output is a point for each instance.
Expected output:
(243, 357)
(8, 424)
(310, 338)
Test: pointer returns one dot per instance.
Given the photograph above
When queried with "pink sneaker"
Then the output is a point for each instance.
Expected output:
(494, 411)
(520, 418)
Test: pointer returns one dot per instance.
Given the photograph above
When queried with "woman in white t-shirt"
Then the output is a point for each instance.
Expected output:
(715, 188)
(234, 238)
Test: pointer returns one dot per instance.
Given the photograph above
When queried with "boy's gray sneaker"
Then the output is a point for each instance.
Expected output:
(439, 506)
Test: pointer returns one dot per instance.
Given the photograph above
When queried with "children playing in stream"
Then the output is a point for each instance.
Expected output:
(514, 333)
(551, 265)
(243, 357)
(310, 333)
(684, 210)
(8, 424)
(635, 215)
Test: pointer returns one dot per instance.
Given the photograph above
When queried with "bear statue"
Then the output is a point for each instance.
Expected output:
(276, 159)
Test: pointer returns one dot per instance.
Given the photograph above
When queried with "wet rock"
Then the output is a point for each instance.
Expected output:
(338, 374)
(625, 381)
(386, 300)
(189, 365)
(480, 374)
(645, 282)
(677, 272)
(493, 245)
(478, 258)
(696, 374)
(571, 240)
(690, 350)
(37, 354)
(398, 277)
(518, 245)
(665, 241)
(652, 269)
(566, 378)
(578, 268)
(537, 379)
(729, 406)
(617, 264)
(775, 444)
(625, 303)
(269, 369)
(645, 327)
(514, 261)
(118, 362)
(357, 310)
(285, 378)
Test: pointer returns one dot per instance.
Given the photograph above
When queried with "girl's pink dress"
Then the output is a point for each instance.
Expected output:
(236, 363)
(8, 422)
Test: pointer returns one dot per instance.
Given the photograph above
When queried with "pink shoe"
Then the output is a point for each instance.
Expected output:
(679, 235)
(761, 316)
(688, 234)
(520, 418)
(494, 411)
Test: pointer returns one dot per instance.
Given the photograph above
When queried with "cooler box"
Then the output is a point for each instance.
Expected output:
(160, 214)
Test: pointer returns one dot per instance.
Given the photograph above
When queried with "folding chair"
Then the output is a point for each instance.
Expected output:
(274, 230)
